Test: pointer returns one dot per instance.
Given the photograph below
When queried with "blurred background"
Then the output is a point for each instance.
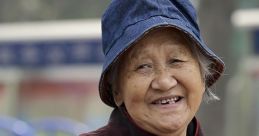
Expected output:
(51, 60)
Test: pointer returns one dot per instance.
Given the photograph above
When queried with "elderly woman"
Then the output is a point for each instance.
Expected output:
(157, 69)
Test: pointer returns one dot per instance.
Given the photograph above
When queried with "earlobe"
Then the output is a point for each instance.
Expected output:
(117, 98)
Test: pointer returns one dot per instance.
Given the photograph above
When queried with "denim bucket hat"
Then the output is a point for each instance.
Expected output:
(126, 21)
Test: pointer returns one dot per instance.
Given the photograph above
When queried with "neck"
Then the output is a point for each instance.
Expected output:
(158, 132)
(179, 132)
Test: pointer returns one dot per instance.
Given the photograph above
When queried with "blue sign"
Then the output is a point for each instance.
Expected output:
(47, 53)
(256, 41)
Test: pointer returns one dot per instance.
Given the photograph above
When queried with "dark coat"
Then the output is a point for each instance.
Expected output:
(121, 125)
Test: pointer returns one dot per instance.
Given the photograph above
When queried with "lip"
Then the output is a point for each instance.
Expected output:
(170, 106)
(165, 97)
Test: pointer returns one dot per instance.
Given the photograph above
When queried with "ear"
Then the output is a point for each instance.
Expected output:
(118, 99)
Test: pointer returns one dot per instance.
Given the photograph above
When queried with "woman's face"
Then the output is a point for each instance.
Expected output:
(160, 83)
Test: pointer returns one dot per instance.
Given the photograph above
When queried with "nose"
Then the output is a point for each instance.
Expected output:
(164, 81)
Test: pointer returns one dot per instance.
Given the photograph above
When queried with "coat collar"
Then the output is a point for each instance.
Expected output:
(120, 124)
(121, 116)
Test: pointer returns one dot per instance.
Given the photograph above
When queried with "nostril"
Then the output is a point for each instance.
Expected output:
(164, 82)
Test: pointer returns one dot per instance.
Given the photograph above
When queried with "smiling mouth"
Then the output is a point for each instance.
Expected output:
(165, 101)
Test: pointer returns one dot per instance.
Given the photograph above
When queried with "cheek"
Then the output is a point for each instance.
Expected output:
(194, 86)
(131, 93)
(134, 90)
(194, 80)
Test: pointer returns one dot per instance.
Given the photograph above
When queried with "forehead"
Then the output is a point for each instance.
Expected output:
(159, 39)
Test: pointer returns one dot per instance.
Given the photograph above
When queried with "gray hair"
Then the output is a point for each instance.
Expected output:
(204, 63)
(205, 68)
(206, 73)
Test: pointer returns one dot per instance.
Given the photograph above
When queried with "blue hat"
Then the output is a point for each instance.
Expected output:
(126, 21)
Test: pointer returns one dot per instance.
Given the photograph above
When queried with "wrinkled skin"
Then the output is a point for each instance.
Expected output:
(160, 66)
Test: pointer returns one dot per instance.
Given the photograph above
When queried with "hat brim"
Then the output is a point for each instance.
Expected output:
(135, 32)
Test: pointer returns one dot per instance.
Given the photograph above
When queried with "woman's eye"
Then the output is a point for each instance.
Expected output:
(144, 66)
(173, 61)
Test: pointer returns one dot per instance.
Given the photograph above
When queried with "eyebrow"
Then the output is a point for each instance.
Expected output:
(137, 53)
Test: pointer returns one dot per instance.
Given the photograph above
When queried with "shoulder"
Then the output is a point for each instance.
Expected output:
(117, 126)
(108, 130)
(103, 131)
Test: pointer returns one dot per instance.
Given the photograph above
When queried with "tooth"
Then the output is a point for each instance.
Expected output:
(168, 101)
(172, 102)
(175, 98)
(163, 101)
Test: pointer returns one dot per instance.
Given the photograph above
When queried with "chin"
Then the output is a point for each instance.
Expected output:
(172, 124)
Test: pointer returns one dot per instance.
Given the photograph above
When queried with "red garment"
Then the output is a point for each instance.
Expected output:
(120, 124)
